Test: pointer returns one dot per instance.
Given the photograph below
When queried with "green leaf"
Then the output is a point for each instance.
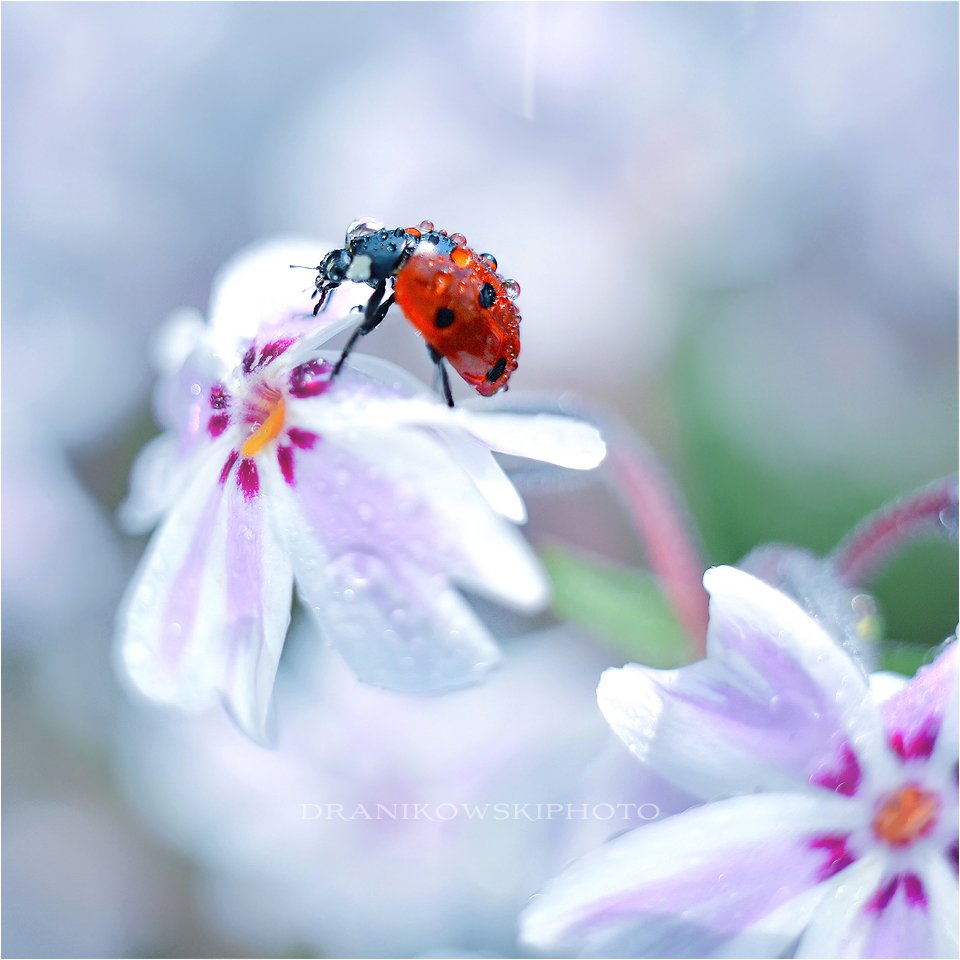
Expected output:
(622, 607)
(905, 658)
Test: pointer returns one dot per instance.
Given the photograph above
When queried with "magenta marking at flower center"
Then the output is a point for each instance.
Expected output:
(838, 855)
(845, 780)
(912, 888)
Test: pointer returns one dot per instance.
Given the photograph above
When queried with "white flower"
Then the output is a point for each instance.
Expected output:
(367, 490)
(838, 834)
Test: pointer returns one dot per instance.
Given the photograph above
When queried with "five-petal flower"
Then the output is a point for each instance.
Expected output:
(836, 831)
(367, 490)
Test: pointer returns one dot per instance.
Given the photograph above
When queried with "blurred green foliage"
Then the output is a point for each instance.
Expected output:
(623, 608)
(740, 502)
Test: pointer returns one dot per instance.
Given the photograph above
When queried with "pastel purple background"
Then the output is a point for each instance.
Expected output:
(734, 224)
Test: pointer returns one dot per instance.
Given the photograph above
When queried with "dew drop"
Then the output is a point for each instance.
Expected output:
(511, 288)
(425, 225)
(195, 389)
(363, 227)
(491, 260)
(459, 239)
(349, 594)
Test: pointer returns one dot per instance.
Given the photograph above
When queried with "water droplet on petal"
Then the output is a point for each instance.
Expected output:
(196, 389)
(426, 225)
(459, 239)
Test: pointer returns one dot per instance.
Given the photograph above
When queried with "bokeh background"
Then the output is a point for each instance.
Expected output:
(735, 226)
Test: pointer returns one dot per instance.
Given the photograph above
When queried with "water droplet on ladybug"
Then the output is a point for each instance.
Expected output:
(461, 256)
(459, 239)
(425, 225)
(511, 288)
(363, 228)
(491, 260)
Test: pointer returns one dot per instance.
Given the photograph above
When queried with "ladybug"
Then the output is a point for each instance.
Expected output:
(453, 295)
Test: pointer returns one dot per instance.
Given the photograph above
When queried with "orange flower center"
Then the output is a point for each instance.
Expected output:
(266, 429)
(905, 815)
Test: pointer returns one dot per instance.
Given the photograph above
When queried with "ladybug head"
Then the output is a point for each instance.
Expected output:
(332, 272)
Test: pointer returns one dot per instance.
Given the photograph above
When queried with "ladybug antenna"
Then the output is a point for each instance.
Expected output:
(302, 266)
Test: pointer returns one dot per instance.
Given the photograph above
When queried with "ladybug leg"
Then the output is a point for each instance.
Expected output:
(373, 314)
(437, 358)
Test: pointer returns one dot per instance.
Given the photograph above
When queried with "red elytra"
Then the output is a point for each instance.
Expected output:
(453, 296)
(460, 306)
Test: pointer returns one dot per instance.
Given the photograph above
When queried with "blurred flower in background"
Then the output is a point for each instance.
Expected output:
(373, 829)
(833, 823)
(734, 224)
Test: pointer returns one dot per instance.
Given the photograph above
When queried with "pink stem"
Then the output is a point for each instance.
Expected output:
(930, 510)
(661, 521)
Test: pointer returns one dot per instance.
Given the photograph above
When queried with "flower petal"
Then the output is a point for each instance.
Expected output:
(921, 719)
(375, 544)
(943, 905)
(776, 703)
(398, 626)
(259, 593)
(475, 458)
(738, 869)
(156, 481)
(564, 441)
(209, 607)
(488, 475)
(556, 439)
(399, 493)
(850, 924)
(902, 928)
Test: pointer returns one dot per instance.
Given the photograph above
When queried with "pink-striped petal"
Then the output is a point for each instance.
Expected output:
(207, 613)
(924, 711)
(258, 597)
(737, 870)
(873, 913)
(375, 553)
(776, 705)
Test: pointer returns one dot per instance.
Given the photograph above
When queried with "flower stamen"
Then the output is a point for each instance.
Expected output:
(265, 430)
(905, 816)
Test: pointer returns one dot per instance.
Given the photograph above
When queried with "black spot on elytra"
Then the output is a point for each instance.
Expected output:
(487, 296)
(496, 371)
(443, 318)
